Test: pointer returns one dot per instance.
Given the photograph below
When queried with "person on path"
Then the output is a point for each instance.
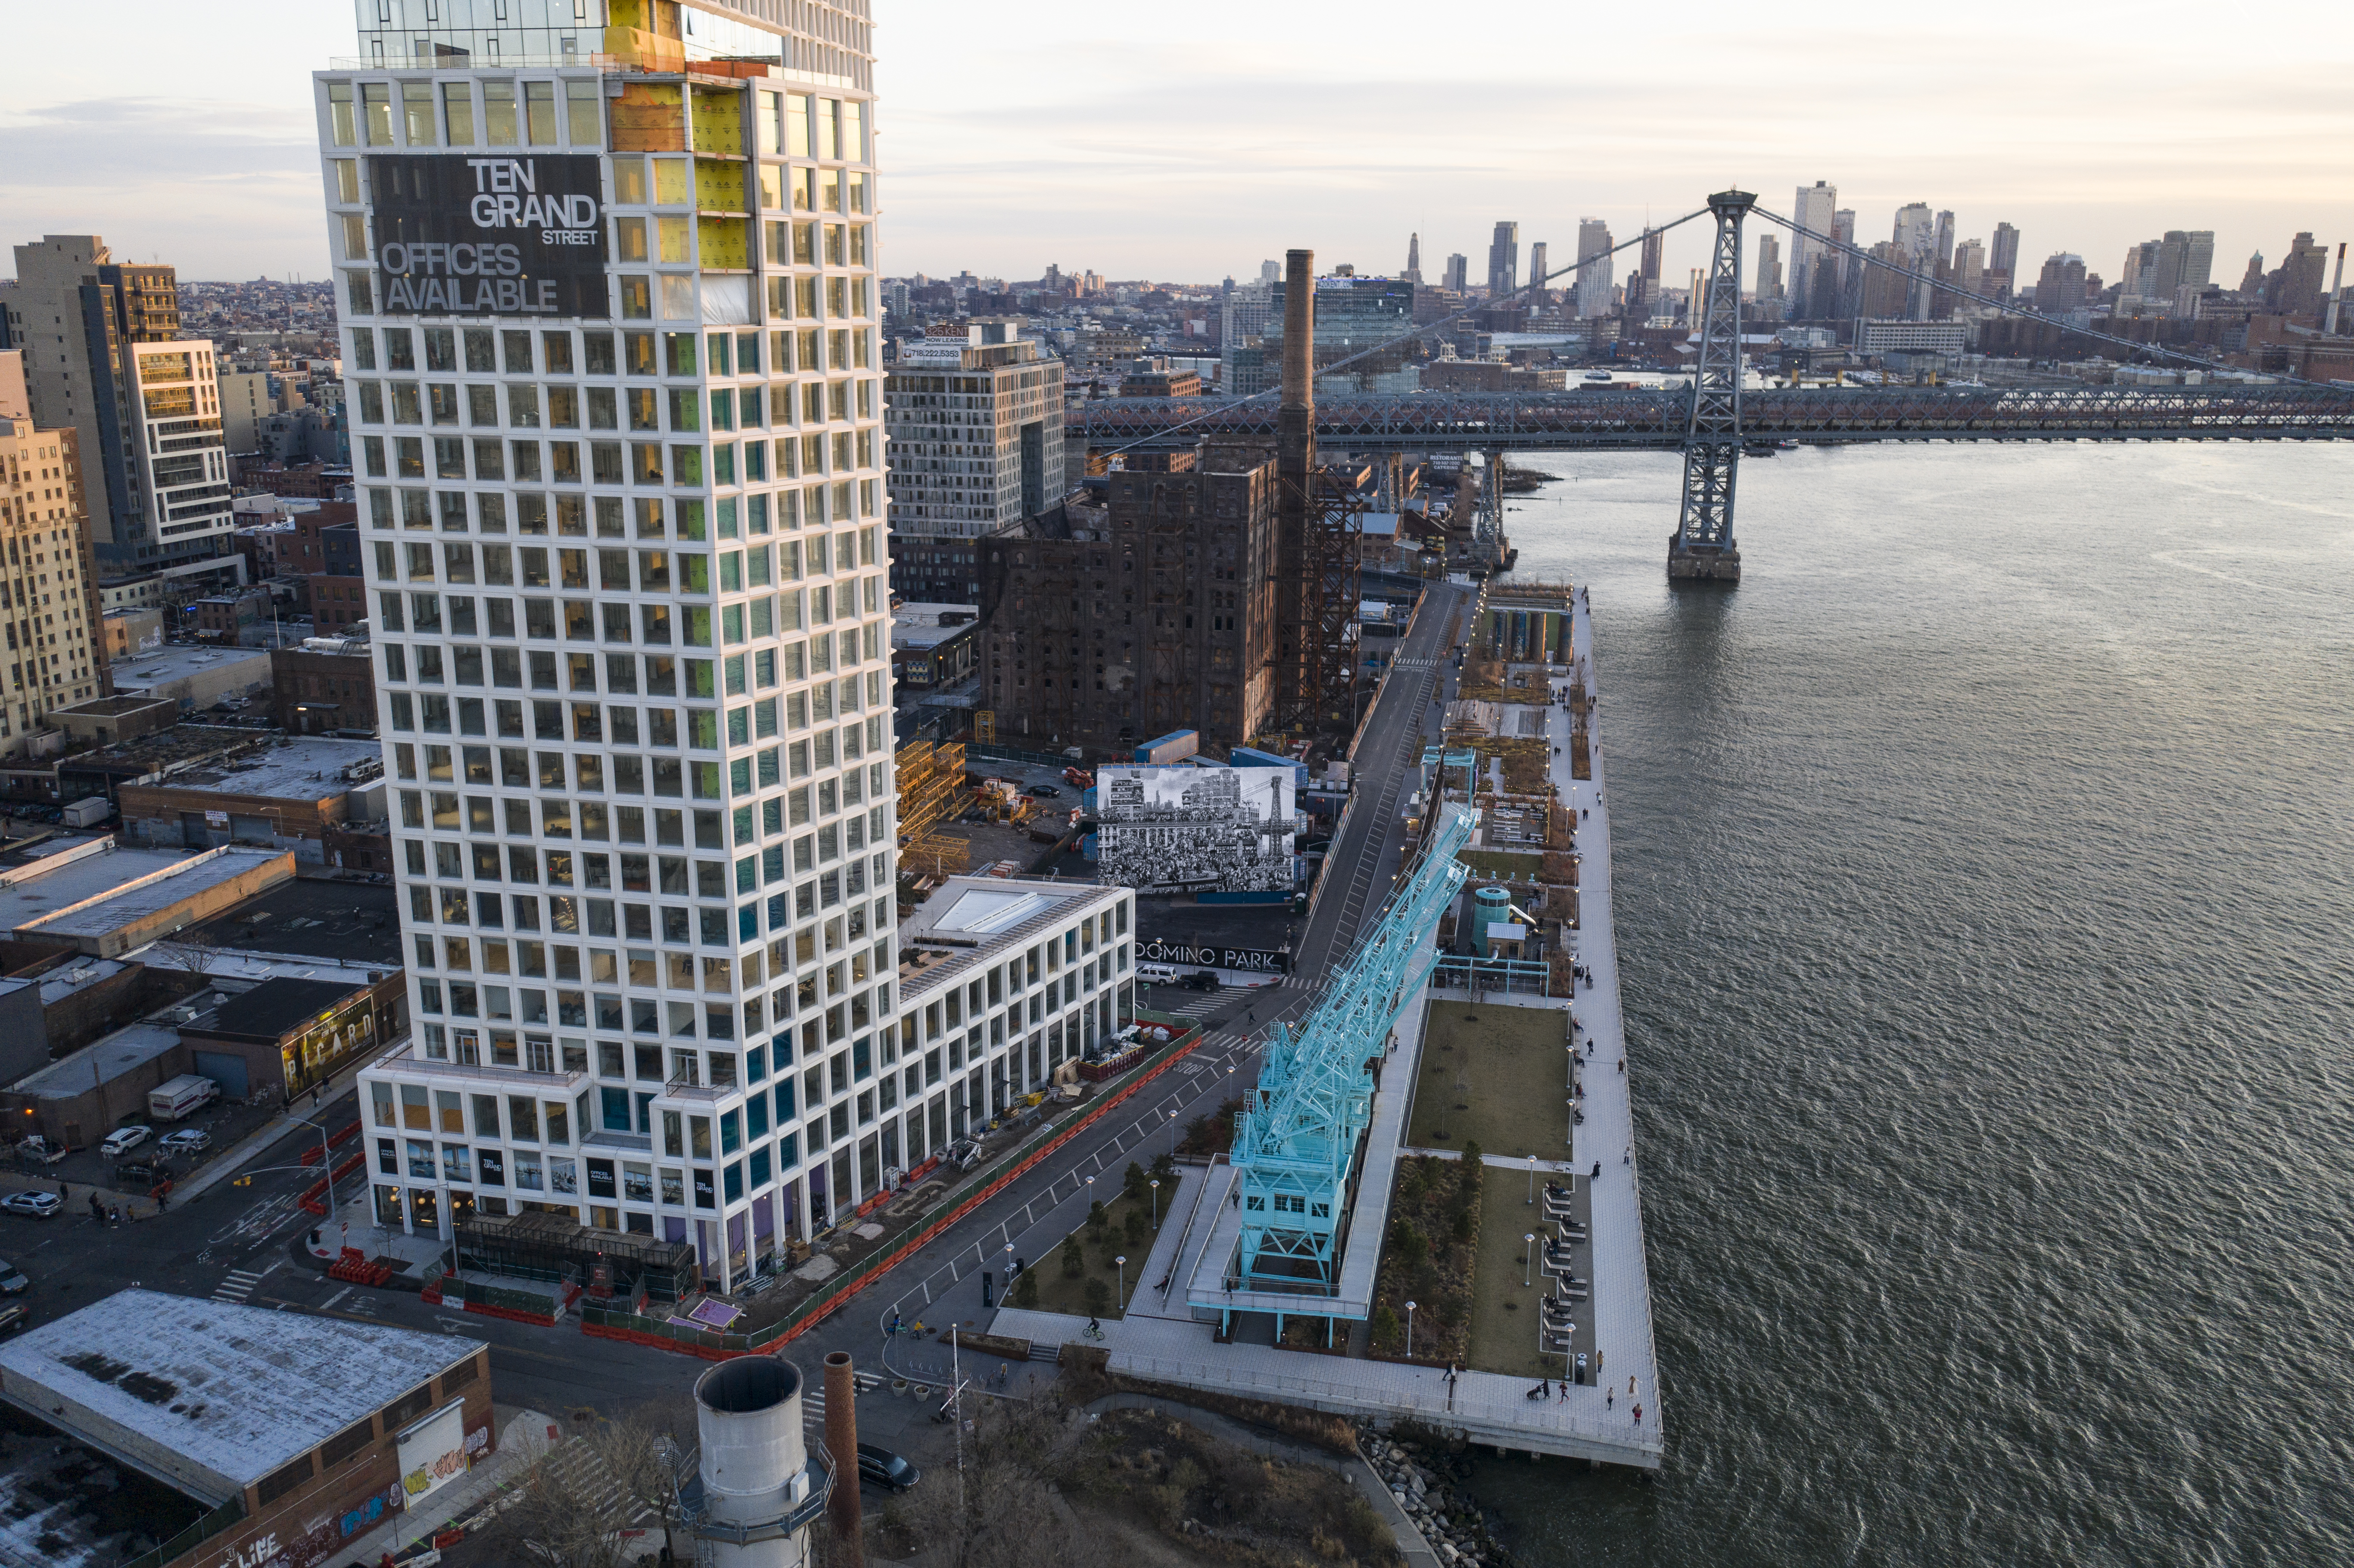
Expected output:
(1630, 1385)
(1609, 1398)
(1638, 1415)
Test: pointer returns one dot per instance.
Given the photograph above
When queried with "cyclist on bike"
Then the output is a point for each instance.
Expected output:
(1094, 1328)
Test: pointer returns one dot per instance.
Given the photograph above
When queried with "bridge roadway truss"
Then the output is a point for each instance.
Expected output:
(1296, 1149)
(1660, 419)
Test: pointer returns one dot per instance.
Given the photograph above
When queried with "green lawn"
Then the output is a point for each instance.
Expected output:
(1500, 863)
(1496, 1074)
(1503, 1310)
(1057, 1293)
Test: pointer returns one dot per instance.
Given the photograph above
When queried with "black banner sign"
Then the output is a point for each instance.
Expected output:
(1205, 956)
(461, 235)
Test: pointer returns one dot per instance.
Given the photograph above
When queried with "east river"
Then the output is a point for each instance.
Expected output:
(1985, 902)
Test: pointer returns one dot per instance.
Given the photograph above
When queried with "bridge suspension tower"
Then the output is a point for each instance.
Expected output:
(1702, 548)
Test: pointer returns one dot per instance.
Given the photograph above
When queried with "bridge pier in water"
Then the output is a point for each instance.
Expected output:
(1702, 549)
(1703, 565)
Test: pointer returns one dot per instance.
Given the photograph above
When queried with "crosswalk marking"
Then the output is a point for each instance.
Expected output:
(584, 1476)
(236, 1286)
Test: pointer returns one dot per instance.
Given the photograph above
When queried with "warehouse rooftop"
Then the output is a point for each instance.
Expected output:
(214, 1396)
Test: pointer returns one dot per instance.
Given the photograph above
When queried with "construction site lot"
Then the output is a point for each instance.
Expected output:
(1494, 1075)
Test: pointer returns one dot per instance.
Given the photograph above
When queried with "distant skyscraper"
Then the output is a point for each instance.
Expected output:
(1946, 238)
(2252, 281)
(1652, 242)
(1851, 269)
(2004, 257)
(2186, 258)
(1413, 258)
(2295, 287)
(2138, 274)
(1270, 272)
(1769, 268)
(1538, 293)
(1504, 260)
(2061, 289)
(1915, 239)
(1970, 267)
(1457, 277)
(1815, 209)
(1594, 246)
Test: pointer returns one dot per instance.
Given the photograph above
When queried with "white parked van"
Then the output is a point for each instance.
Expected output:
(170, 1102)
(1157, 974)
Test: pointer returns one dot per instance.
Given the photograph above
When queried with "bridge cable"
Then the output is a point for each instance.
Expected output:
(1228, 405)
(2016, 310)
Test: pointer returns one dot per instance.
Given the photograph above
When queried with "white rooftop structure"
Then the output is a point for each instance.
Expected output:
(177, 662)
(42, 888)
(129, 889)
(212, 1398)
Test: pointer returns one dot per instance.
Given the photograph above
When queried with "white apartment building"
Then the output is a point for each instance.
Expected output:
(608, 309)
(976, 429)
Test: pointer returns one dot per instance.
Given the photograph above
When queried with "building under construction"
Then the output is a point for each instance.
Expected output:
(1216, 591)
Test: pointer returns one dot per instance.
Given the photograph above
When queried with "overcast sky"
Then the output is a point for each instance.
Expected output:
(1185, 143)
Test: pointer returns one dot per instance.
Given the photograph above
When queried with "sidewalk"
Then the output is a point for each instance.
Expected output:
(228, 1162)
(525, 1436)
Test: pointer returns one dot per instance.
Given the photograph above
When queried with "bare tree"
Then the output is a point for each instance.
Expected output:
(1007, 1513)
(576, 1500)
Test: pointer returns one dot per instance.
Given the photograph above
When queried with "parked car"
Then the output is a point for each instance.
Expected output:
(187, 1140)
(1200, 979)
(12, 1279)
(124, 1139)
(1046, 791)
(40, 1205)
(884, 1469)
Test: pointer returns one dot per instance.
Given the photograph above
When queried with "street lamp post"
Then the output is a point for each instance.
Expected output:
(1155, 1186)
(1120, 1300)
(1528, 1274)
(326, 1157)
(1532, 1178)
(1409, 1330)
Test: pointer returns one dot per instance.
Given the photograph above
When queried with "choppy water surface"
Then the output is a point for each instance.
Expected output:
(1988, 929)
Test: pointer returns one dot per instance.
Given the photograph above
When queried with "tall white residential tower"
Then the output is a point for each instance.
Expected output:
(606, 280)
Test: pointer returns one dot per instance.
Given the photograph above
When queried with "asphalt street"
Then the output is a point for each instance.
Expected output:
(237, 1243)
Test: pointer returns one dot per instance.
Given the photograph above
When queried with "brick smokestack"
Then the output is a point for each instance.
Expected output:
(841, 1442)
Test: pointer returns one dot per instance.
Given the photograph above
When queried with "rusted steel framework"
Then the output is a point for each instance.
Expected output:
(1659, 419)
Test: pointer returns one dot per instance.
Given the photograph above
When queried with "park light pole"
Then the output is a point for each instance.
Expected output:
(1120, 1300)
(1409, 1330)
(1532, 1178)
(1155, 1186)
(1528, 1274)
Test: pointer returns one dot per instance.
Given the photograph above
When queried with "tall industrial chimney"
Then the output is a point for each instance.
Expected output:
(841, 1442)
(754, 1463)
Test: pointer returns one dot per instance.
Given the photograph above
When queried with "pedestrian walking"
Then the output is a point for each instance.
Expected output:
(114, 1214)
(1609, 1398)
(1638, 1415)
(1622, 1066)
(1630, 1385)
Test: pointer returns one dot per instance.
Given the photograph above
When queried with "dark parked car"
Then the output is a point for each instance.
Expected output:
(882, 1468)
(1045, 792)
(1200, 979)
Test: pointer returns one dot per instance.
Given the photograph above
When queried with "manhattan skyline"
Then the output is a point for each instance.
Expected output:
(1008, 140)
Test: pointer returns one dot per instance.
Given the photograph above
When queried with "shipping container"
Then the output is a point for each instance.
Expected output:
(1174, 747)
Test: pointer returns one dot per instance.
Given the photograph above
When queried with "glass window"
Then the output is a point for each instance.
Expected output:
(580, 107)
(458, 111)
(539, 113)
(376, 104)
(417, 114)
(499, 113)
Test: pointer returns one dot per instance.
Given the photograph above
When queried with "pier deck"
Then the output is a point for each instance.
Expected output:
(1166, 1344)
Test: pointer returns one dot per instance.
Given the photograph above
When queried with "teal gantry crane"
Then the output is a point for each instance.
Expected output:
(1295, 1148)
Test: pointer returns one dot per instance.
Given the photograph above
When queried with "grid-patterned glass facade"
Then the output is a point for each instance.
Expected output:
(610, 320)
